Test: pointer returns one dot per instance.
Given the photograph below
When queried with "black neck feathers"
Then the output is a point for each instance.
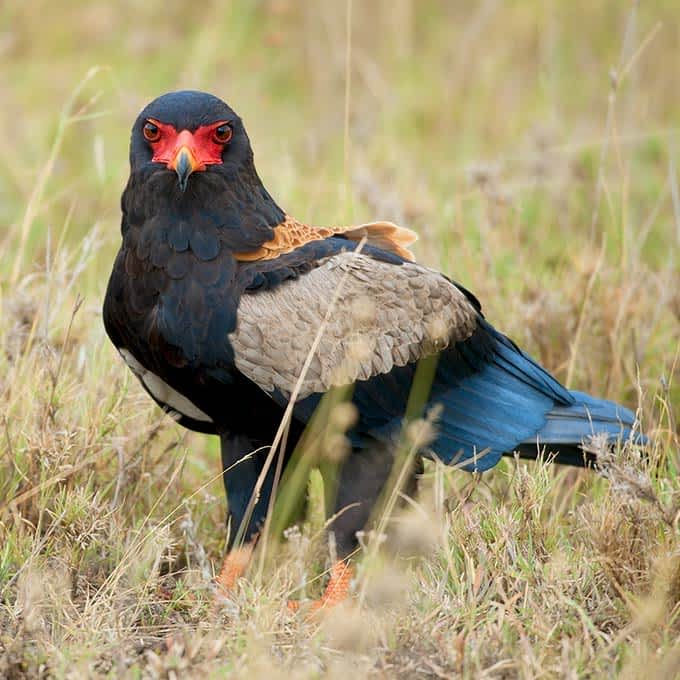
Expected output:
(230, 208)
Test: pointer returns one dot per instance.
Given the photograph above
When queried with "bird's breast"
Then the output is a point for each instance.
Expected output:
(169, 314)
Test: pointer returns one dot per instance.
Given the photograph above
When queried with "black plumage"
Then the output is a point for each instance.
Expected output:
(214, 299)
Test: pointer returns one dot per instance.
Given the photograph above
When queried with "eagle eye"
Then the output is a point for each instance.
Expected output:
(151, 131)
(223, 133)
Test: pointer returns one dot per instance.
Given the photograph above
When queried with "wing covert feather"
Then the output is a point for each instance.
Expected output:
(387, 315)
(292, 234)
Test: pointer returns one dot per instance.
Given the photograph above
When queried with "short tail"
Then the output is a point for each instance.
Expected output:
(568, 427)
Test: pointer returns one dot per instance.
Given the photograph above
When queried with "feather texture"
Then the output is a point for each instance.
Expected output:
(388, 317)
(292, 234)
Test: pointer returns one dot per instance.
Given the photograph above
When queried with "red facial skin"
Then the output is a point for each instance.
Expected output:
(202, 146)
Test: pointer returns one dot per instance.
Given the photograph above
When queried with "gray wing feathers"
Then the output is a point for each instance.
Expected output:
(386, 316)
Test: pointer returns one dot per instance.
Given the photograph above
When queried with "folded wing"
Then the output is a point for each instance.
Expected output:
(375, 320)
(384, 316)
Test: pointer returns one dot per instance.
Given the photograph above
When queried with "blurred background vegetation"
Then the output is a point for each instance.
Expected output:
(534, 147)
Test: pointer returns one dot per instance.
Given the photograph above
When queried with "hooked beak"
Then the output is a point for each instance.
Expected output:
(184, 163)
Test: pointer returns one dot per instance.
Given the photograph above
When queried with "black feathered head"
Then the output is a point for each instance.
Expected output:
(189, 132)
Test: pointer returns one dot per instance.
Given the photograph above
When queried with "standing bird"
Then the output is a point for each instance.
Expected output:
(223, 306)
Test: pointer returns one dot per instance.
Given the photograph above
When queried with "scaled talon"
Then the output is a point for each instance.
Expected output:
(337, 589)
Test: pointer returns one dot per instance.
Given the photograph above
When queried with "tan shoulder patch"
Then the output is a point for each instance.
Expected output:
(385, 235)
(291, 234)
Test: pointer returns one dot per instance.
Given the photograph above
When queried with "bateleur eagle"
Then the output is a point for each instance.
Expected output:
(217, 296)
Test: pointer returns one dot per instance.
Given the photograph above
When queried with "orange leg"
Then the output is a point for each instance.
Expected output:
(336, 591)
(233, 567)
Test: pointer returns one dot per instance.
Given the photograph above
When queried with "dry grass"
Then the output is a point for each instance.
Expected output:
(534, 146)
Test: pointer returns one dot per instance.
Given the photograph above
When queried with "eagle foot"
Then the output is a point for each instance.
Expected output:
(337, 590)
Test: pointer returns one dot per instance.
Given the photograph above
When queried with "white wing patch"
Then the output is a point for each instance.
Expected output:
(163, 392)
